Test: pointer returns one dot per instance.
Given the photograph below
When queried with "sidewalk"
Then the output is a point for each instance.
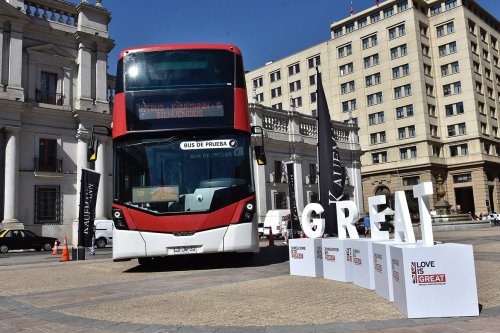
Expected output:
(213, 295)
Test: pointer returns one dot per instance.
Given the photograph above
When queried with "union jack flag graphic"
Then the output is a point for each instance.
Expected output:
(414, 274)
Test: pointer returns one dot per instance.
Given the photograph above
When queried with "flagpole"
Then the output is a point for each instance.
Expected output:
(317, 132)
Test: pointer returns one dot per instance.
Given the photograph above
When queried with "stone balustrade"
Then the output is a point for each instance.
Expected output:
(63, 12)
(279, 121)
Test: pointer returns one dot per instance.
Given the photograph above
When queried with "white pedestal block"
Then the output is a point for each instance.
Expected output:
(382, 268)
(306, 257)
(337, 259)
(437, 281)
(362, 263)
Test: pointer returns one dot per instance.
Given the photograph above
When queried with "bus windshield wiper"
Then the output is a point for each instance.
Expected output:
(156, 142)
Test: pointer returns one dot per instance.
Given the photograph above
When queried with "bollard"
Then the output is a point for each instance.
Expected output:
(271, 237)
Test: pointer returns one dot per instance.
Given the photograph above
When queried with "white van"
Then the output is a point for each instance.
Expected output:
(103, 233)
(273, 221)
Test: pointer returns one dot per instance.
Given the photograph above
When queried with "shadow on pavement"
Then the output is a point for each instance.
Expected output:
(266, 256)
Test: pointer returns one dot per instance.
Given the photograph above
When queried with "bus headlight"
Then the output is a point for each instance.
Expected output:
(248, 211)
(119, 220)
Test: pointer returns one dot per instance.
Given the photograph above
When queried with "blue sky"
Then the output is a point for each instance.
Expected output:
(263, 29)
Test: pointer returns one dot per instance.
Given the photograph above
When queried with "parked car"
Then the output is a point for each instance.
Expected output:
(21, 239)
(495, 218)
(103, 233)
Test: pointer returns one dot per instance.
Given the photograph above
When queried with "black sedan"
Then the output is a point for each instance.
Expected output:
(20, 239)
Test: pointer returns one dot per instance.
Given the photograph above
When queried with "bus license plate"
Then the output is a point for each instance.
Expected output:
(182, 250)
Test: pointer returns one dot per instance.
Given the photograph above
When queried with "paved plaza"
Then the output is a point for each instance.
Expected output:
(218, 294)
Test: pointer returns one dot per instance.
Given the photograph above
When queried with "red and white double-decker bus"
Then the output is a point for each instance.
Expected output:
(183, 181)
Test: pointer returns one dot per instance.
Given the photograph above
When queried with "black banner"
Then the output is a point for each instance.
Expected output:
(88, 199)
(294, 216)
(331, 174)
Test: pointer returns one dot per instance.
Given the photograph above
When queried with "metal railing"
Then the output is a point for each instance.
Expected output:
(49, 97)
(54, 165)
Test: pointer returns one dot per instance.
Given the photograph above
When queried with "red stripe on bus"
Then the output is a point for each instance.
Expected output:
(119, 116)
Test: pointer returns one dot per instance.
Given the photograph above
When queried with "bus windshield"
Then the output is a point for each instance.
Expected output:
(180, 68)
(189, 174)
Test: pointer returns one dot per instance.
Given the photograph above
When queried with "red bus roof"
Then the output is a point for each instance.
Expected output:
(164, 47)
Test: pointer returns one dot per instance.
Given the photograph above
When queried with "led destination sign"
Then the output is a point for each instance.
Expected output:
(174, 110)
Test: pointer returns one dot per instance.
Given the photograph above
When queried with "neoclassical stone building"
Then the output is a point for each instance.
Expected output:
(291, 136)
(54, 88)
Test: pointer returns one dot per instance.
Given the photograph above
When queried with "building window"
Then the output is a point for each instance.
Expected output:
(452, 88)
(258, 82)
(314, 97)
(312, 173)
(349, 28)
(295, 86)
(399, 51)
(349, 105)
(403, 5)
(397, 31)
(260, 97)
(275, 76)
(409, 152)
(48, 88)
(314, 61)
(372, 60)
(372, 80)
(337, 32)
(411, 181)
(388, 12)
(47, 155)
(368, 42)
(312, 80)
(277, 106)
(345, 51)
(404, 111)
(296, 102)
(347, 87)
(375, 17)
(362, 22)
(435, 9)
(280, 200)
(445, 29)
(379, 157)
(293, 69)
(47, 204)
(276, 92)
(346, 69)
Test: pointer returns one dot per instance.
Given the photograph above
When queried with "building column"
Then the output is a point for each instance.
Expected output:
(101, 82)
(15, 90)
(101, 167)
(299, 182)
(81, 162)
(11, 197)
(84, 84)
(2, 79)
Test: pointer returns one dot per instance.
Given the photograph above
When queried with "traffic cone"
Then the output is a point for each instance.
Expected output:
(65, 251)
(55, 250)
(271, 237)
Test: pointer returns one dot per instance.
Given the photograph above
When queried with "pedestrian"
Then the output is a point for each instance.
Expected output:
(287, 227)
(92, 245)
(366, 222)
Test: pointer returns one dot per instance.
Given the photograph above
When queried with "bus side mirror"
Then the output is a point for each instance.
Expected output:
(94, 142)
(260, 155)
(92, 150)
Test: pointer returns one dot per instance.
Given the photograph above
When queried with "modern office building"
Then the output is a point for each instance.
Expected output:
(422, 80)
(54, 88)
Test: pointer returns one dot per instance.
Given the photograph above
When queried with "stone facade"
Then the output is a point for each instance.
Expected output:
(292, 137)
(421, 78)
(54, 88)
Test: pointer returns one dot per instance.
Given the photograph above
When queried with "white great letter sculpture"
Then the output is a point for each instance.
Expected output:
(403, 230)
(347, 222)
(376, 218)
(422, 192)
(307, 226)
